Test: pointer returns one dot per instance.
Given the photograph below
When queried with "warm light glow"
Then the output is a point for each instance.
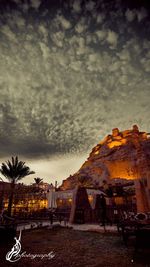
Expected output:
(120, 169)
(116, 143)
(119, 200)
(29, 205)
(90, 198)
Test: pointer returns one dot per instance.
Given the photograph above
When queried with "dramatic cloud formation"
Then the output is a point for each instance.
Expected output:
(70, 71)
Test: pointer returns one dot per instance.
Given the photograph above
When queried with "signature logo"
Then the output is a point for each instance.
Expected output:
(14, 255)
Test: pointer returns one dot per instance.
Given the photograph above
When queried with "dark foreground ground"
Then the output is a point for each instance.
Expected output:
(75, 248)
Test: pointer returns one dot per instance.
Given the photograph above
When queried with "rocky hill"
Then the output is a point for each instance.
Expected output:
(121, 155)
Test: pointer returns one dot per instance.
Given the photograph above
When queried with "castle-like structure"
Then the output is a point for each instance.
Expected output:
(121, 156)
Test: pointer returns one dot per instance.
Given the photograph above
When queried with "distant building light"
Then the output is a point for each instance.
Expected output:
(90, 198)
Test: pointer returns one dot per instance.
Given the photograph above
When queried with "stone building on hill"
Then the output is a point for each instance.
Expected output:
(121, 157)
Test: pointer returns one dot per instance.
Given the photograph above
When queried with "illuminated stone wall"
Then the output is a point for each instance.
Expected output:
(122, 154)
(121, 169)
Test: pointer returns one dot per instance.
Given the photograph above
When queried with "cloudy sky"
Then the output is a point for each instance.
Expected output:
(70, 71)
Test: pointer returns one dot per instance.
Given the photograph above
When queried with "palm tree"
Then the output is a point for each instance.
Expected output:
(14, 171)
(2, 195)
(38, 180)
(39, 191)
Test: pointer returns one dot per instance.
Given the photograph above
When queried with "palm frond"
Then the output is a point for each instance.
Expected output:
(38, 180)
(15, 170)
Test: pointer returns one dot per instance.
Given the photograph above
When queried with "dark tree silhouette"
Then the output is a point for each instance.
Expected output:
(38, 180)
(14, 171)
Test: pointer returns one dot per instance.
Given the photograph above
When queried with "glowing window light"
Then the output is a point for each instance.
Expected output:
(90, 198)
(116, 143)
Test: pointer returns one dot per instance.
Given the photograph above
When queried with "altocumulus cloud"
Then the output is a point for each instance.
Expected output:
(69, 72)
